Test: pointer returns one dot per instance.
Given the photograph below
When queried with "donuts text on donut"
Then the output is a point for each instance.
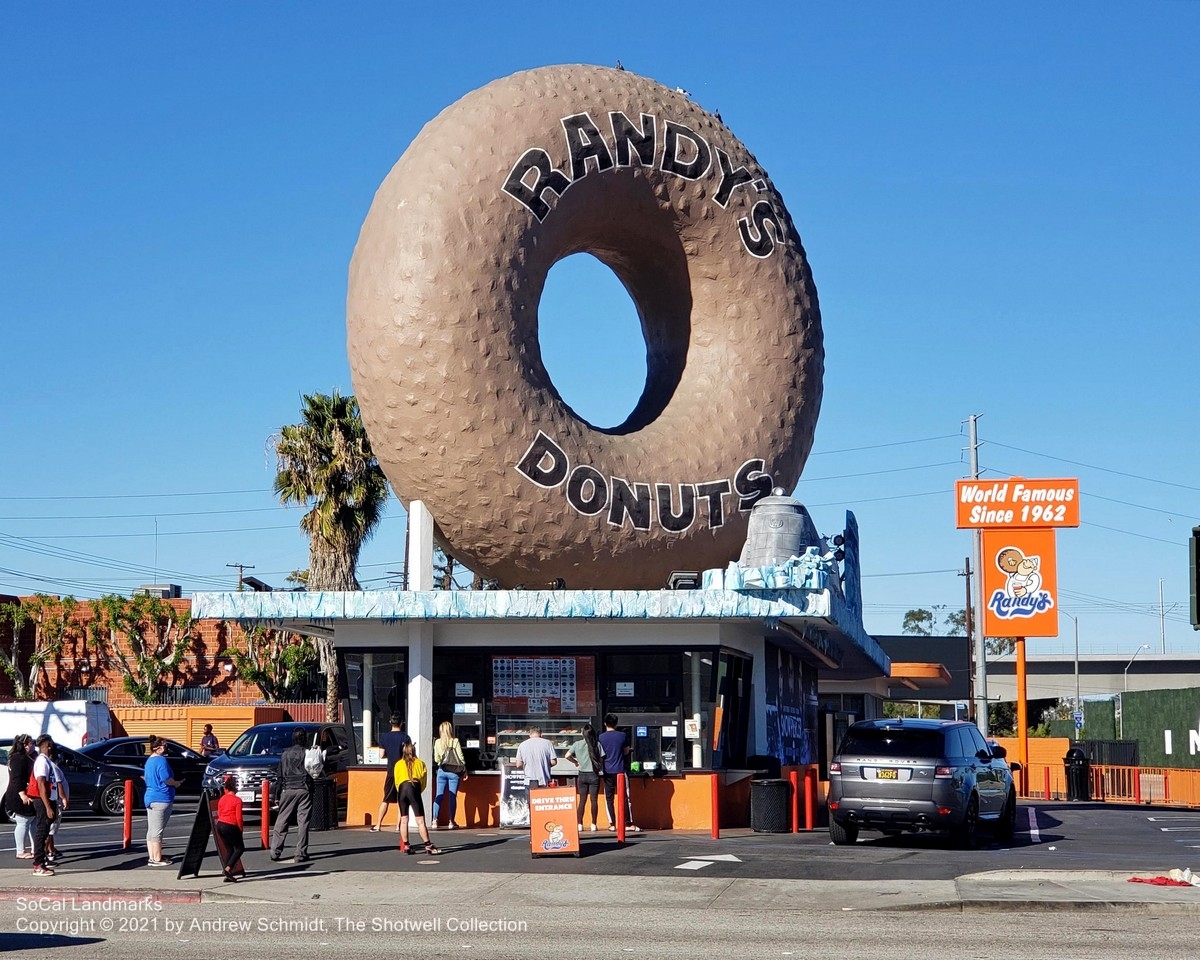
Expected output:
(588, 491)
(684, 153)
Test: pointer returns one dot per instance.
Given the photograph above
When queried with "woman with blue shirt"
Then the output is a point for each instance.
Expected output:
(160, 798)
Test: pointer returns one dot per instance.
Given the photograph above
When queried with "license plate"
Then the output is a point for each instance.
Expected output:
(246, 796)
(887, 773)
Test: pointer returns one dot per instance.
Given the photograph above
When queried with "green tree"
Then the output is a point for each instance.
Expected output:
(1000, 646)
(51, 619)
(276, 661)
(145, 637)
(925, 623)
(325, 463)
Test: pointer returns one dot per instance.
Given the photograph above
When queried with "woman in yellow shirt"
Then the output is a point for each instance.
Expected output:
(411, 777)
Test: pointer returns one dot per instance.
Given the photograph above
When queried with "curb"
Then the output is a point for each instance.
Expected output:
(100, 894)
(1148, 908)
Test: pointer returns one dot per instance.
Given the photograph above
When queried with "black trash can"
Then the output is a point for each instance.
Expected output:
(770, 806)
(1079, 775)
(324, 805)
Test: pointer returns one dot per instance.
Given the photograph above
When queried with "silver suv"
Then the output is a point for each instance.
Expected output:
(936, 775)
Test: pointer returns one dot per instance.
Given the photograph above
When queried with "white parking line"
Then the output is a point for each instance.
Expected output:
(1034, 835)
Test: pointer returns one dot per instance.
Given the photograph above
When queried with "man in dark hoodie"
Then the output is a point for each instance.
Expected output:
(295, 794)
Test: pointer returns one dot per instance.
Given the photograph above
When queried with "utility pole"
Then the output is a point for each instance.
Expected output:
(981, 701)
(970, 619)
(241, 569)
(1162, 618)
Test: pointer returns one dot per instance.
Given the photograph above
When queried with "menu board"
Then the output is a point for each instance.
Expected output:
(545, 686)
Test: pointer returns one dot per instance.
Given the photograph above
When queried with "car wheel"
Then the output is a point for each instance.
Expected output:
(842, 835)
(964, 835)
(112, 799)
(1006, 828)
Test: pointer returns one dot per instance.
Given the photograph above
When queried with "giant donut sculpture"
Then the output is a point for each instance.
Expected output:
(442, 316)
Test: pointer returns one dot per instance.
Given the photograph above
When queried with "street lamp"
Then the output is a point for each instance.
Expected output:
(1144, 646)
(1078, 700)
(1121, 724)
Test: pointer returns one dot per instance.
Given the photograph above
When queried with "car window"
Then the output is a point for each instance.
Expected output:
(123, 751)
(954, 745)
(975, 738)
(893, 742)
(329, 741)
(263, 741)
(180, 752)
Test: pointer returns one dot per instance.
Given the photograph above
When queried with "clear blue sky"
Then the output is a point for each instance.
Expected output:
(1001, 208)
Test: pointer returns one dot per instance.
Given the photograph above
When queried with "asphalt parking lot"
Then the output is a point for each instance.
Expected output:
(1080, 836)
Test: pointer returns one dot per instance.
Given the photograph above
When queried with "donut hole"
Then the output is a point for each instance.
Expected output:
(591, 340)
(620, 222)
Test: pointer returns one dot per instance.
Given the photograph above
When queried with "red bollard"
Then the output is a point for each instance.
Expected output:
(794, 776)
(620, 806)
(265, 826)
(128, 814)
(716, 806)
(810, 798)
(1047, 782)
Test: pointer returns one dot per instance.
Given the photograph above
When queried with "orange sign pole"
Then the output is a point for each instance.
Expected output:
(1022, 716)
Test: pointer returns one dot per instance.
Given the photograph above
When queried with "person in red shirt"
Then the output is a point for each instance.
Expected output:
(229, 828)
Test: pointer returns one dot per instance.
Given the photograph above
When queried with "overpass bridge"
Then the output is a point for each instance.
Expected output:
(1050, 676)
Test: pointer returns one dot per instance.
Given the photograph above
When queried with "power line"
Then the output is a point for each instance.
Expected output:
(879, 446)
(138, 496)
(1092, 466)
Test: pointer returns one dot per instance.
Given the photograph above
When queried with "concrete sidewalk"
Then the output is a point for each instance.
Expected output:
(995, 890)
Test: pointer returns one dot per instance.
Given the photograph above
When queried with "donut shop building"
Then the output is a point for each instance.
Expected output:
(720, 679)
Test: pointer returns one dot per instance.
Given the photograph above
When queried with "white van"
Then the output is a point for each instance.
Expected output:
(72, 723)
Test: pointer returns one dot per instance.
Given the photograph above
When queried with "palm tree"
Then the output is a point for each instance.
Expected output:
(325, 462)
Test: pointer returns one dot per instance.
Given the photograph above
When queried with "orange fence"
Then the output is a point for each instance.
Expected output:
(1115, 784)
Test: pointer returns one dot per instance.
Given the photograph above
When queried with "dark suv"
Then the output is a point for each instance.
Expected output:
(936, 775)
(254, 757)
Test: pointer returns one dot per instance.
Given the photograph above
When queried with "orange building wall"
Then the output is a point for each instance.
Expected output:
(661, 803)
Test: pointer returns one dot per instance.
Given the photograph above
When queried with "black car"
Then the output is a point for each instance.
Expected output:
(93, 784)
(131, 753)
(935, 775)
(254, 758)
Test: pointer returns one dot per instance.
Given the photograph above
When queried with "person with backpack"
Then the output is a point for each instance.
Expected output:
(411, 777)
(588, 755)
(295, 796)
(451, 769)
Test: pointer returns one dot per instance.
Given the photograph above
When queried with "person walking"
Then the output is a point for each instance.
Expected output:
(43, 777)
(295, 796)
(411, 776)
(229, 828)
(451, 770)
(588, 755)
(209, 745)
(63, 791)
(17, 800)
(159, 799)
(616, 760)
(536, 757)
(392, 745)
